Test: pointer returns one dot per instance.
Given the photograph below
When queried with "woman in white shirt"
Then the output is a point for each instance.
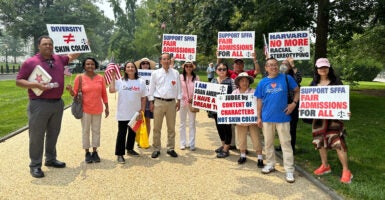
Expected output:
(132, 98)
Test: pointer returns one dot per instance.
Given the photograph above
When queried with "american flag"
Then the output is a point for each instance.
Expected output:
(265, 47)
(67, 71)
(107, 74)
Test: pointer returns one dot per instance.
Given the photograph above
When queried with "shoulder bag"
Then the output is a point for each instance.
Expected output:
(77, 104)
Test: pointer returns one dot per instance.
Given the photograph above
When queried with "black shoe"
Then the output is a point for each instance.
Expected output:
(155, 154)
(121, 160)
(260, 163)
(223, 154)
(241, 160)
(37, 173)
(88, 157)
(95, 156)
(219, 149)
(55, 163)
(278, 148)
(233, 148)
(172, 153)
(132, 152)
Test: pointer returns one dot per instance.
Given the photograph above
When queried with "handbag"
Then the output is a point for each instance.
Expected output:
(141, 134)
(190, 101)
(77, 104)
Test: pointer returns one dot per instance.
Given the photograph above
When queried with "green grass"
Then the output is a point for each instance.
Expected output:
(365, 140)
(13, 105)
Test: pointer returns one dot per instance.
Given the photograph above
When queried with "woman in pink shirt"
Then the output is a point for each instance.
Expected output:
(187, 79)
(94, 92)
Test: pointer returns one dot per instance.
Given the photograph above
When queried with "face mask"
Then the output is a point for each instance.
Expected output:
(282, 68)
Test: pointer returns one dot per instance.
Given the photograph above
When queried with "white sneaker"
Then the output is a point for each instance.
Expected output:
(267, 169)
(182, 147)
(290, 177)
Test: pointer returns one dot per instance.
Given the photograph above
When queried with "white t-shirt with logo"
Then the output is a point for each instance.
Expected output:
(129, 98)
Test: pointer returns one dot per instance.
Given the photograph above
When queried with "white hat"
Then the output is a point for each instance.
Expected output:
(152, 63)
(189, 62)
(243, 75)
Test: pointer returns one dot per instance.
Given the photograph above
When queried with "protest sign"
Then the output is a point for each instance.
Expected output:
(237, 44)
(324, 102)
(145, 74)
(182, 47)
(205, 95)
(237, 109)
(68, 38)
(294, 44)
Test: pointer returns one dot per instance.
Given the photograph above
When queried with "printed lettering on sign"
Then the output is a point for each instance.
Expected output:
(324, 102)
(68, 38)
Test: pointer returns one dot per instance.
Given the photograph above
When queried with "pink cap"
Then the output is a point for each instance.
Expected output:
(322, 62)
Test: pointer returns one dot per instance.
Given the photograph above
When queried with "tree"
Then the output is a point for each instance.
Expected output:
(120, 42)
(28, 19)
(11, 46)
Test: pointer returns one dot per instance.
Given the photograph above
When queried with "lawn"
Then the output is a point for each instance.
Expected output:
(365, 139)
(13, 105)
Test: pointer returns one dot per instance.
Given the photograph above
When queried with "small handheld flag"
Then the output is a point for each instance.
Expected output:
(107, 74)
(67, 71)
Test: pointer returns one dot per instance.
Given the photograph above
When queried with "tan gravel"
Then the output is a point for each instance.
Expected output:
(193, 175)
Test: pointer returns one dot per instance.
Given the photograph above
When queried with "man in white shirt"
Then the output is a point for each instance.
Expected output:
(164, 96)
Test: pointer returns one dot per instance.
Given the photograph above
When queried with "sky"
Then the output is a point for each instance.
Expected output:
(105, 6)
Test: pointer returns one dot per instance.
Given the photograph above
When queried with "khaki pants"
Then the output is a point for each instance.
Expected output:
(164, 109)
(91, 122)
(283, 130)
(255, 133)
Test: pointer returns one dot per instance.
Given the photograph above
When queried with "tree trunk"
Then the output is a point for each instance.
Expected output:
(35, 44)
(322, 29)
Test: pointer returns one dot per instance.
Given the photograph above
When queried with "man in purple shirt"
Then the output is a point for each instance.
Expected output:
(45, 111)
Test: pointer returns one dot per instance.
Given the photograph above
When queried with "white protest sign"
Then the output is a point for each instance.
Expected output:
(205, 95)
(182, 47)
(237, 44)
(324, 102)
(68, 38)
(294, 44)
(145, 74)
(237, 109)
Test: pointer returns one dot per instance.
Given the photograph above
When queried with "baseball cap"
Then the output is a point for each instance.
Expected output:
(238, 60)
(322, 62)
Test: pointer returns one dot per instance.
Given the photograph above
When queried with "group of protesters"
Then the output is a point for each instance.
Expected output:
(169, 91)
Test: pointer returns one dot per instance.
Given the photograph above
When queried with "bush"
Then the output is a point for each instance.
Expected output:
(361, 70)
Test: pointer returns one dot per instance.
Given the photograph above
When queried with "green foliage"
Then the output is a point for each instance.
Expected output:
(28, 19)
(361, 70)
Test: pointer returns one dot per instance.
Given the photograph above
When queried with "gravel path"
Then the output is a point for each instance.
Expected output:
(193, 175)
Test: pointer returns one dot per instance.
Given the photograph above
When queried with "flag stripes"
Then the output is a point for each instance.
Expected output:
(107, 74)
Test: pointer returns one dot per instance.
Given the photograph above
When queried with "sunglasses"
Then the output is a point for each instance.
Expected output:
(50, 62)
(188, 66)
(222, 69)
(145, 63)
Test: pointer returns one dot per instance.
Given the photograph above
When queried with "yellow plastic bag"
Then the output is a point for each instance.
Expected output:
(141, 134)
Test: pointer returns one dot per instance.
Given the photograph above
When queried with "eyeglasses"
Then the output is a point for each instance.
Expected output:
(50, 62)
(222, 69)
